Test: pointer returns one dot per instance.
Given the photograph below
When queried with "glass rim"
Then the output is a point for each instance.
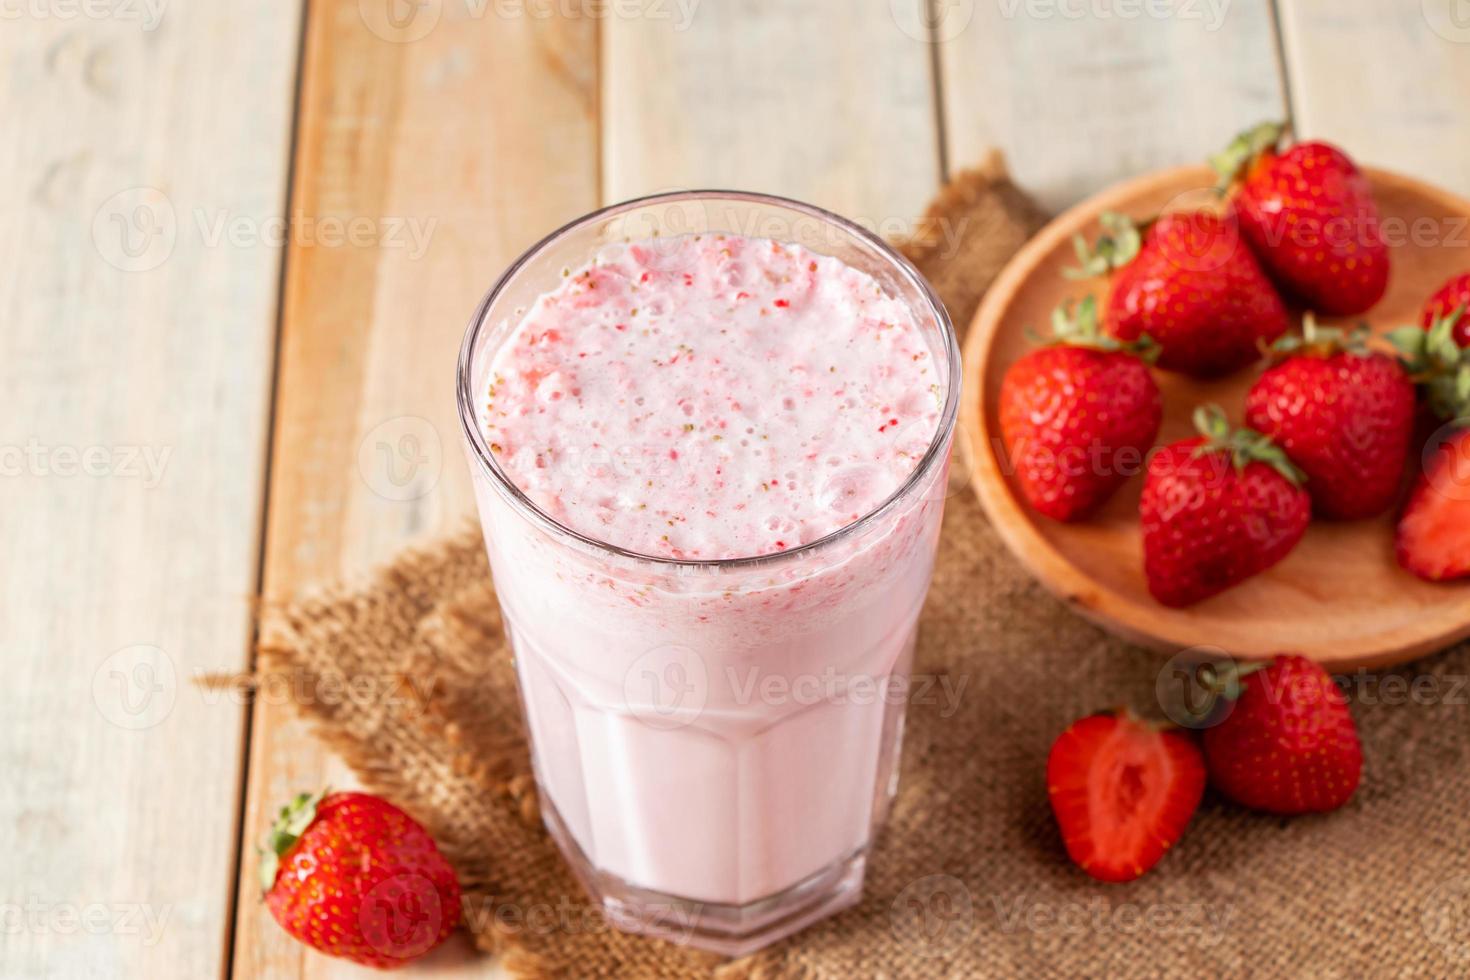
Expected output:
(523, 505)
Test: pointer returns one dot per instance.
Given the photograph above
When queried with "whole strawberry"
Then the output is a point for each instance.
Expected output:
(1343, 414)
(1290, 745)
(1309, 213)
(1433, 535)
(1451, 300)
(352, 875)
(1077, 416)
(1189, 284)
(1216, 510)
(1122, 791)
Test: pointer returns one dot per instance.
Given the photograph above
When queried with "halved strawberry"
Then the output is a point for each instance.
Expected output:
(1123, 791)
(1433, 538)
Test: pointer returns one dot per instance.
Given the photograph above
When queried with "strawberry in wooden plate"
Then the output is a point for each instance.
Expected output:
(1451, 301)
(1432, 539)
(1190, 284)
(1217, 509)
(1309, 214)
(1343, 413)
(1078, 415)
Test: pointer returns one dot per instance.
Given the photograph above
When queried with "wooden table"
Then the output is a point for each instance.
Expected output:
(204, 403)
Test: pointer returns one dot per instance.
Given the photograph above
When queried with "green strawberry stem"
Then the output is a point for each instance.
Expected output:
(1223, 681)
(1320, 341)
(1232, 161)
(290, 824)
(1079, 327)
(1119, 243)
(1244, 445)
(1438, 364)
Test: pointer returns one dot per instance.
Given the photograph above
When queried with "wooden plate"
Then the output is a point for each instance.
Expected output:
(1339, 597)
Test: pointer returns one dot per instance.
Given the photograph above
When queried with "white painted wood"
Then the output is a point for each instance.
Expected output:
(479, 131)
(135, 366)
(1389, 82)
(790, 98)
(1080, 94)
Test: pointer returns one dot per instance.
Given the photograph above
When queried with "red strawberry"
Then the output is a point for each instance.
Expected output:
(1433, 538)
(353, 876)
(1216, 510)
(1452, 299)
(1122, 792)
(1309, 213)
(1290, 745)
(1189, 284)
(1343, 414)
(1078, 416)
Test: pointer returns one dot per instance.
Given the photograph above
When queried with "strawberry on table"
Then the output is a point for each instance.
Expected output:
(352, 875)
(1344, 414)
(1078, 415)
(1290, 745)
(1218, 509)
(1190, 284)
(1433, 535)
(1122, 791)
(1309, 213)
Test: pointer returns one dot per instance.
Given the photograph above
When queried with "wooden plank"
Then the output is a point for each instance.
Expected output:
(471, 130)
(778, 97)
(1082, 95)
(1387, 81)
(136, 359)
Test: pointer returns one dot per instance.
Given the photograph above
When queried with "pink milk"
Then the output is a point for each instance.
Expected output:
(710, 467)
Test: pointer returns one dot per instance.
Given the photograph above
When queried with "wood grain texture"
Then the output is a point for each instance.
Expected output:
(135, 358)
(479, 131)
(1339, 597)
(783, 98)
(1387, 81)
(1079, 96)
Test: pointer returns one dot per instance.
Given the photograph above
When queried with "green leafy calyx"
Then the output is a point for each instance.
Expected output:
(290, 824)
(1244, 445)
(1079, 327)
(1232, 161)
(1115, 247)
(1437, 363)
(1316, 340)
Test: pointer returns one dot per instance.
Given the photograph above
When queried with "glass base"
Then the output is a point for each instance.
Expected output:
(732, 930)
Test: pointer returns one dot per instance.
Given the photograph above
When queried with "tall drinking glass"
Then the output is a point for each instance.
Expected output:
(714, 742)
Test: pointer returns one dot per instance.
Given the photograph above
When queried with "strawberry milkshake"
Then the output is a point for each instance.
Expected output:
(710, 437)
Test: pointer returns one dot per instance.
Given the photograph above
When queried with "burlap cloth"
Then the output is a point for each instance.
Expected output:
(969, 878)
